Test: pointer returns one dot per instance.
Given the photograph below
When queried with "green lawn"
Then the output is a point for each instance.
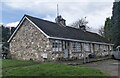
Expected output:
(0, 68)
(29, 68)
(15, 63)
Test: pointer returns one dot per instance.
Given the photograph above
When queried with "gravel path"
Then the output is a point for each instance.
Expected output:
(110, 66)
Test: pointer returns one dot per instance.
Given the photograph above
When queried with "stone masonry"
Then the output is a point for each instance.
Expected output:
(30, 44)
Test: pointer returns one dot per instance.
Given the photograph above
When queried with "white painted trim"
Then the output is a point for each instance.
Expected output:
(16, 30)
(37, 27)
(53, 37)
(20, 25)
(80, 40)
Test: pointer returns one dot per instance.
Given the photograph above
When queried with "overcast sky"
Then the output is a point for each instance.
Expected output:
(71, 10)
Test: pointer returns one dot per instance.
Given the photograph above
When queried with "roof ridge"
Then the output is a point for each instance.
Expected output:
(68, 32)
(52, 22)
(73, 27)
(39, 18)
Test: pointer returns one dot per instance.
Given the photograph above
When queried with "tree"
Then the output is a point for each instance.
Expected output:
(6, 32)
(80, 23)
(116, 23)
(5, 35)
(101, 31)
(107, 29)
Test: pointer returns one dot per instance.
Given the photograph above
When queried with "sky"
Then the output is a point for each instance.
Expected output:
(11, 11)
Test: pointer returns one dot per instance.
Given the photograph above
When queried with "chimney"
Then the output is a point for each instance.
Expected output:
(82, 27)
(60, 20)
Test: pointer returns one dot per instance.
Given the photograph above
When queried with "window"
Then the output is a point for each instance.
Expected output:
(101, 47)
(56, 45)
(76, 47)
(87, 47)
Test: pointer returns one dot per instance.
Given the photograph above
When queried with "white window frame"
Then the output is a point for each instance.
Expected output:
(87, 47)
(76, 47)
(56, 45)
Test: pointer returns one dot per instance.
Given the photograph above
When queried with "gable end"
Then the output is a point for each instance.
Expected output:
(20, 24)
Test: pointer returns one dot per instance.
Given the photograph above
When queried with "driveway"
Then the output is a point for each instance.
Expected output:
(110, 66)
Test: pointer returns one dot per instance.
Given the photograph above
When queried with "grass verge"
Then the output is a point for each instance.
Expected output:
(29, 68)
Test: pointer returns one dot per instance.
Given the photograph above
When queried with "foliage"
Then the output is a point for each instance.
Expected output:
(116, 23)
(107, 29)
(101, 31)
(81, 22)
(23, 68)
(6, 32)
(111, 29)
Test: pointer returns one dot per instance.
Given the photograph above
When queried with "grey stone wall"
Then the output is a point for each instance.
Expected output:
(29, 43)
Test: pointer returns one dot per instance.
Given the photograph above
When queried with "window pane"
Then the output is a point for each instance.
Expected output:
(57, 45)
(76, 47)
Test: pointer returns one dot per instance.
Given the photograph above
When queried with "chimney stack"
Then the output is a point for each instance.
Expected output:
(82, 27)
(60, 20)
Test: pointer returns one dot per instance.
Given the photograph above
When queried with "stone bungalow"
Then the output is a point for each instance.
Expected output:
(37, 39)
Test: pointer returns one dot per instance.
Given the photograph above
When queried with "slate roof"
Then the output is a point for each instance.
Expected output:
(55, 30)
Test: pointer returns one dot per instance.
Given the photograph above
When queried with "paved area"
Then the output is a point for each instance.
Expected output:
(110, 66)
